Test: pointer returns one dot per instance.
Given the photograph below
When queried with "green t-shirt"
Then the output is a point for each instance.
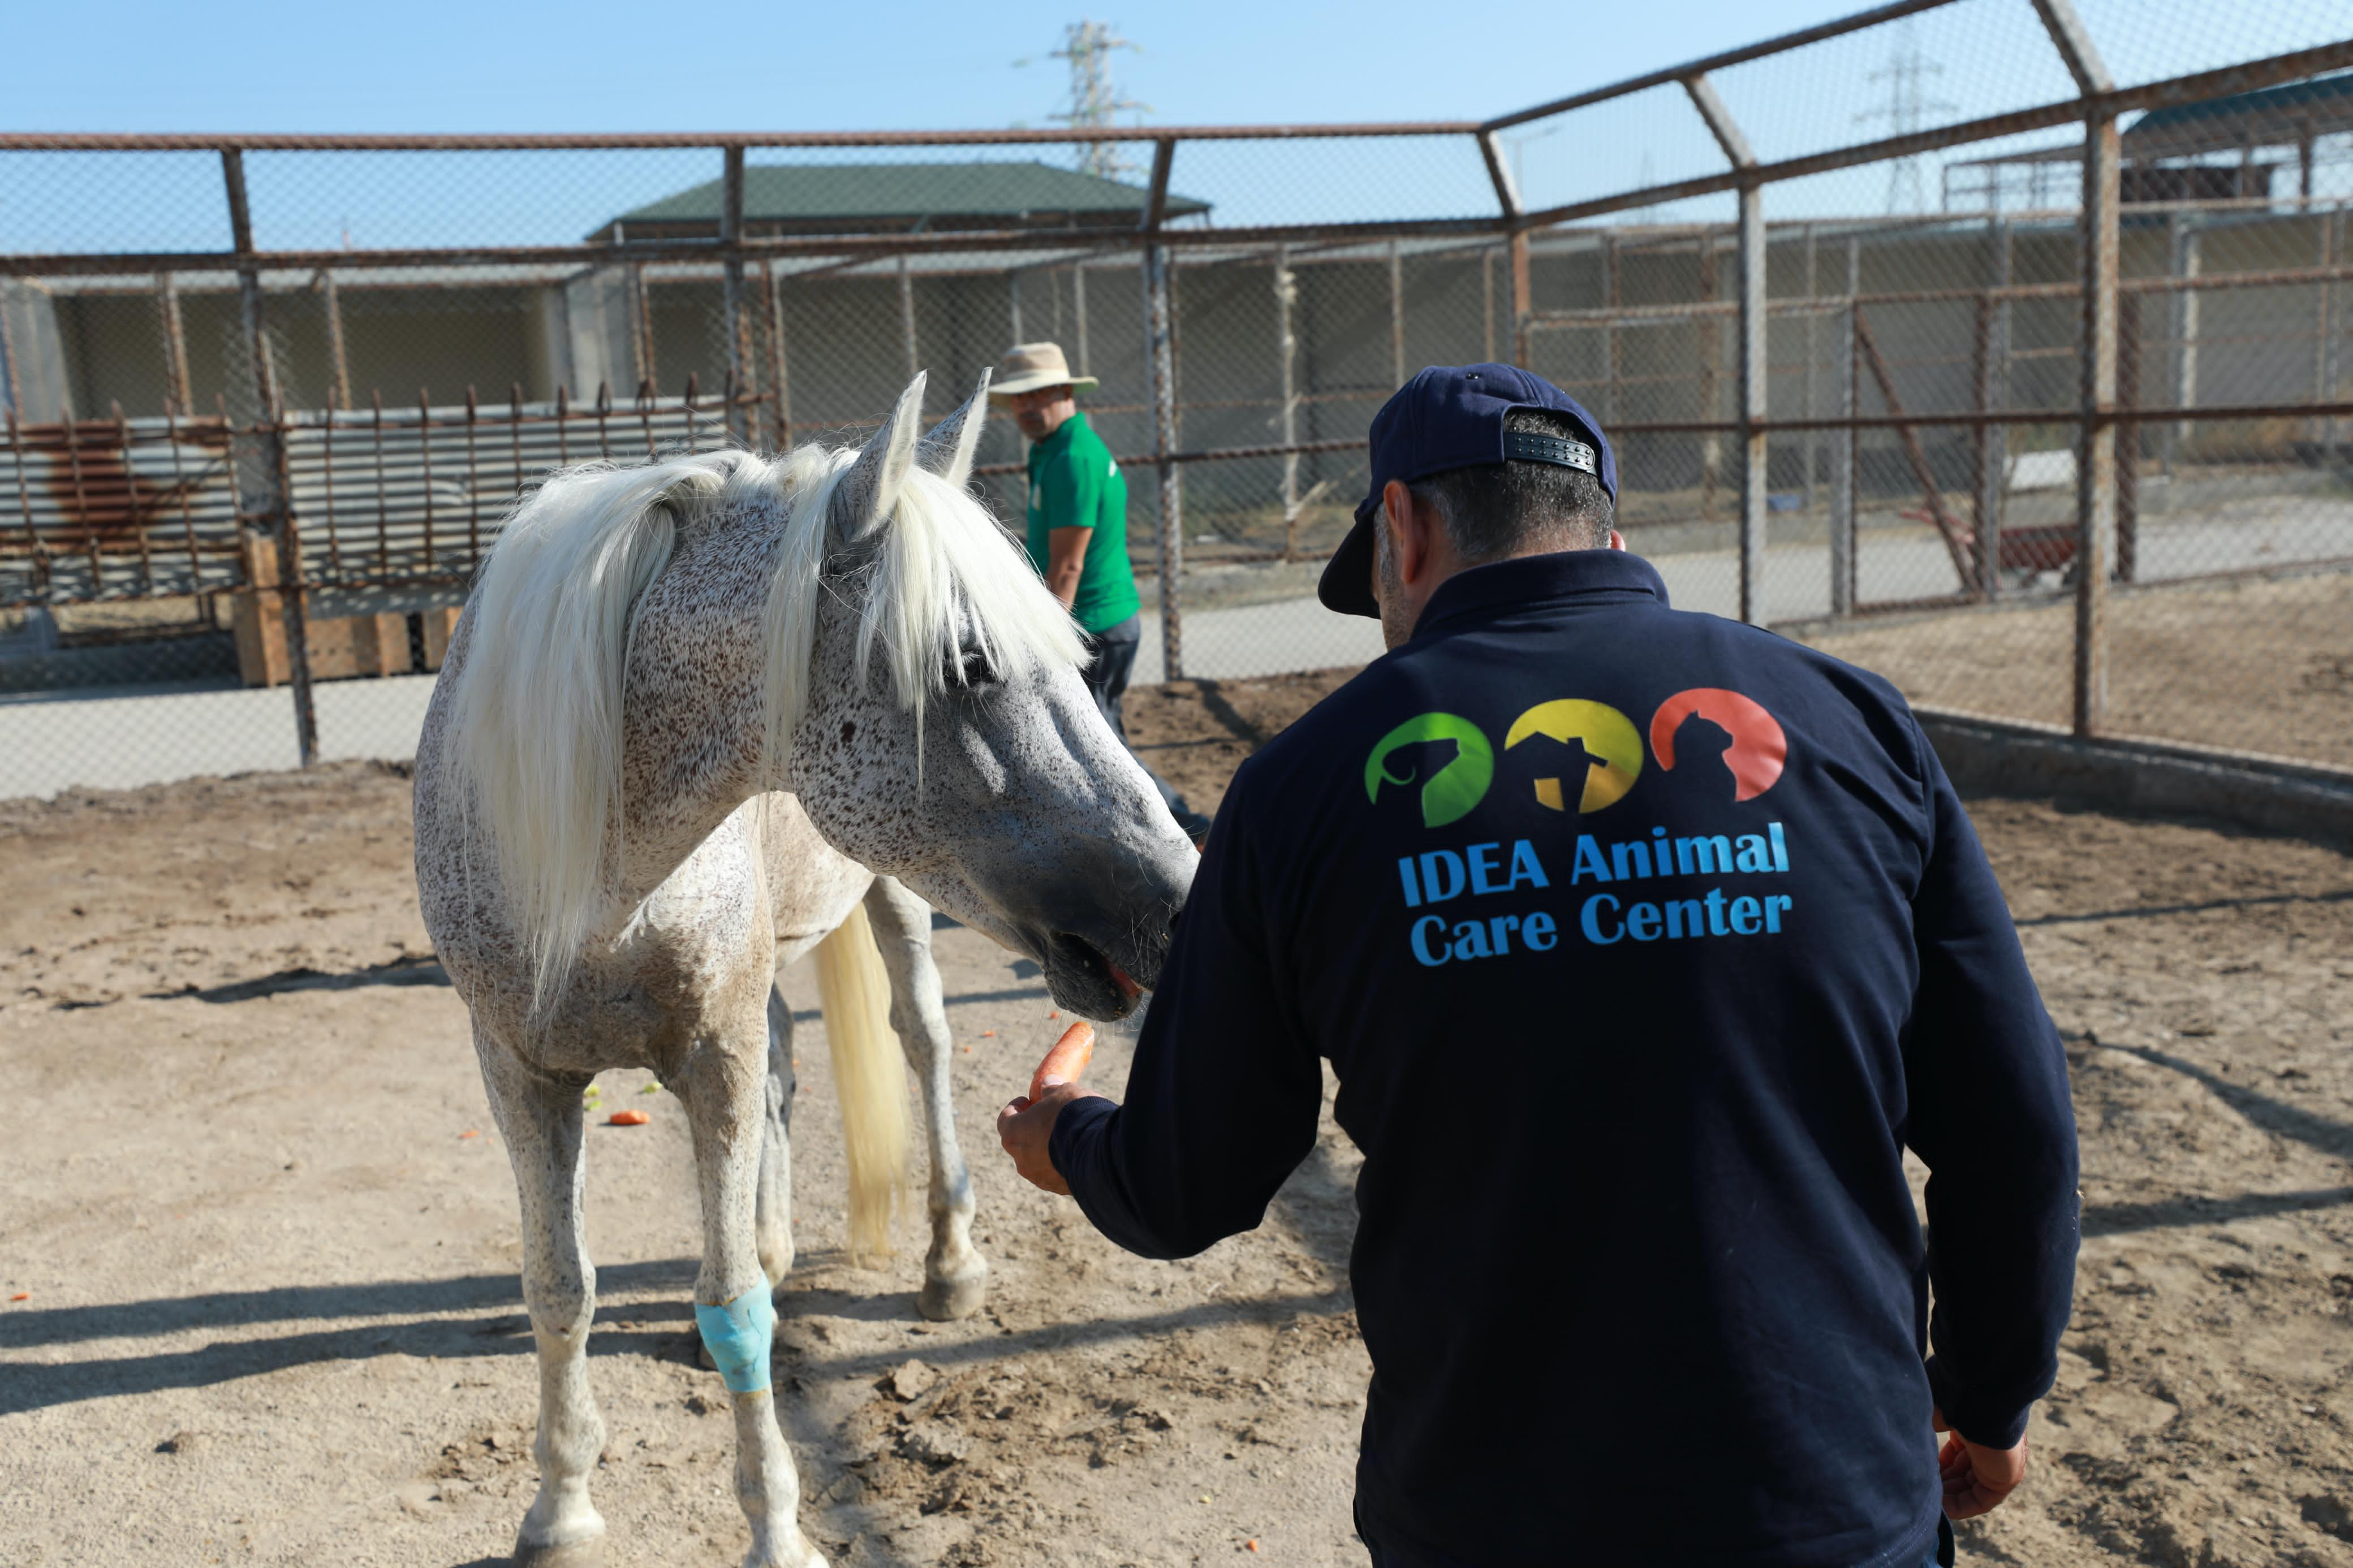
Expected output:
(1073, 483)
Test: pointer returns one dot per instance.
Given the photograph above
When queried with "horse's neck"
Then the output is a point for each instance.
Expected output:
(693, 717)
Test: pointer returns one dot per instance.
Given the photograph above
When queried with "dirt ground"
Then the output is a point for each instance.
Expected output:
(267, 1239)
(2250, 666)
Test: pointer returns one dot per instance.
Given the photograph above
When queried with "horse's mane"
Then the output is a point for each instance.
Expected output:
(533, 737)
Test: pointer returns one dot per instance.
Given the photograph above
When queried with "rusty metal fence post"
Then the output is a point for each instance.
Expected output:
(731, 233)
(2096, 455)
(2097, 248)
(1842, 463)
(1991, 378)
(271, 423)
(1755, 451)
(1286, 345)
(1159, 329)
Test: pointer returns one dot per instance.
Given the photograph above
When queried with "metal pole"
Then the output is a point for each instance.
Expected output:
(1814, 354)
(1397, 312)
(294, 595)
(2330, 252)
(731, 233)
(1523, 299)
(1608, 329)
(1078, 308)
(177, 398)
(1755, 473)
(339, 362)
(1992, 391)
(1988, 485)
(2185, 259)
(1843, 466)
(907, 314)
(1710, 346)
(1487, 303)
(16, 410)
(641, 324)
(1286, 347)
(2095, 453)
(1159, 312)
(776, 379)
(1013, 305)
(2127, 441)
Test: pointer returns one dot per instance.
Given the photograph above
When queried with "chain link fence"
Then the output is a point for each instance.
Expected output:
(2012, 366)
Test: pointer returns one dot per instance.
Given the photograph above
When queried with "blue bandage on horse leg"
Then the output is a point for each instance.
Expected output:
(739, 1334)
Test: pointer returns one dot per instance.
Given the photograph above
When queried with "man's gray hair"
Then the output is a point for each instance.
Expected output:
(1495, 510)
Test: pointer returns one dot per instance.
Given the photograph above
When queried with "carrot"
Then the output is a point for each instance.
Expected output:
(1067, 1059)
(22, 1296)
(627, 1119)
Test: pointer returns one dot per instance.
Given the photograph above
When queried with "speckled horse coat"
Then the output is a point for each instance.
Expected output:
(791, 686)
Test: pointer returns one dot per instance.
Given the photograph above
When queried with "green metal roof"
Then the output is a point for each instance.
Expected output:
(866, 193)
(2268, 117)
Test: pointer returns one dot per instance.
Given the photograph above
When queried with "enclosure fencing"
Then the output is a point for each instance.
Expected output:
(2032, 401)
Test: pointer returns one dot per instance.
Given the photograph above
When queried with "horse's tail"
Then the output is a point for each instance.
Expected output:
(870, 1076)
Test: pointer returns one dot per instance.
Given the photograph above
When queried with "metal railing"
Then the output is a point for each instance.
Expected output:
(1275, 337)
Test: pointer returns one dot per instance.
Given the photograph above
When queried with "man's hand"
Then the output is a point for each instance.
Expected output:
(1976, 1478)
(1025, 1126)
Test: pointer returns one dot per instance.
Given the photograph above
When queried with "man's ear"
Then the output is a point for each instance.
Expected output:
(1409, 529)
(1617, 540)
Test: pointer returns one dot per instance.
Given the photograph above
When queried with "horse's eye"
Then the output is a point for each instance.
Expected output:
(973, 669)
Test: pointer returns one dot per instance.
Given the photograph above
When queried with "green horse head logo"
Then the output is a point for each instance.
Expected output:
(1450, 792)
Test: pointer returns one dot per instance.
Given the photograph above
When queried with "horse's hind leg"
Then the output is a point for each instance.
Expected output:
(773, 1222)
(540, 1119)
(724, 1089)
(955, 1276)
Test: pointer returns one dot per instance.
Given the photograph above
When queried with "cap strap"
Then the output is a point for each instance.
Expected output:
(1534, 447)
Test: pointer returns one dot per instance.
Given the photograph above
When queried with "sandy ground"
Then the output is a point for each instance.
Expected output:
(2251, 665)
(270, 1311)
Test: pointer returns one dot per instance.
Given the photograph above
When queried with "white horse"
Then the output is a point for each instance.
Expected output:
(701, 717)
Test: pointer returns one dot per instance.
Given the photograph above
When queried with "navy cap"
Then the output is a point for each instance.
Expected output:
(1452, 417)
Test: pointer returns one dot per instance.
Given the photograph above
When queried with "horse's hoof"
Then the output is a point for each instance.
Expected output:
(810, 1558)
(589, 1553)
(958, 1295)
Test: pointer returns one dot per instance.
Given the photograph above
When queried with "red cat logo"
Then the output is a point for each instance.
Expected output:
(1758, 748)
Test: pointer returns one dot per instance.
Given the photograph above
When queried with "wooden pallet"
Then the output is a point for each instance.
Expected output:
(341, 646)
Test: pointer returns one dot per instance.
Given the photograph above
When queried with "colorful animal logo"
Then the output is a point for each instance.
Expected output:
(1448, 791)
(1612, 744)
(1453, 784)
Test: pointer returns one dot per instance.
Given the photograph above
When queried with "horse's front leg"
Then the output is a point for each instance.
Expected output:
(724, 1088)
(539, 1117)
(955, 1276)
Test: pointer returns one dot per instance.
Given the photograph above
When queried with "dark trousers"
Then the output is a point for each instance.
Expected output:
(1106, 677)
(1384, 1555)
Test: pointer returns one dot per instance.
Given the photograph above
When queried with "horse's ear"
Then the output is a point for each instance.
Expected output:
(947, 450)
(869, 492)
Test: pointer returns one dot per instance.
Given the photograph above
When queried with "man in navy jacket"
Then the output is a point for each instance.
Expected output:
(1642, 943)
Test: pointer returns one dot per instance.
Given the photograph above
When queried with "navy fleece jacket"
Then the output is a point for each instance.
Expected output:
(1642, 943)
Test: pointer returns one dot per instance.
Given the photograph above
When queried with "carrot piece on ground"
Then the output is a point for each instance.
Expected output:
(1067, 1059)
(627, 1119)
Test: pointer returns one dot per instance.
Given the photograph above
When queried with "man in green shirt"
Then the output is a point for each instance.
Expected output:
(1078, 529)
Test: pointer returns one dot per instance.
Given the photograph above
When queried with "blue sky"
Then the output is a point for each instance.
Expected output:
(597, 65)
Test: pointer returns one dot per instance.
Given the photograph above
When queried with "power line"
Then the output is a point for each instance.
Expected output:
(1907, 109)
(1096, 99)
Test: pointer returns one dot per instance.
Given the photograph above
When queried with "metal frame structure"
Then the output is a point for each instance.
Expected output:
(2095, 106)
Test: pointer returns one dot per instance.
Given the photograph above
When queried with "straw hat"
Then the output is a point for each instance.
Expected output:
(1026, 367)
